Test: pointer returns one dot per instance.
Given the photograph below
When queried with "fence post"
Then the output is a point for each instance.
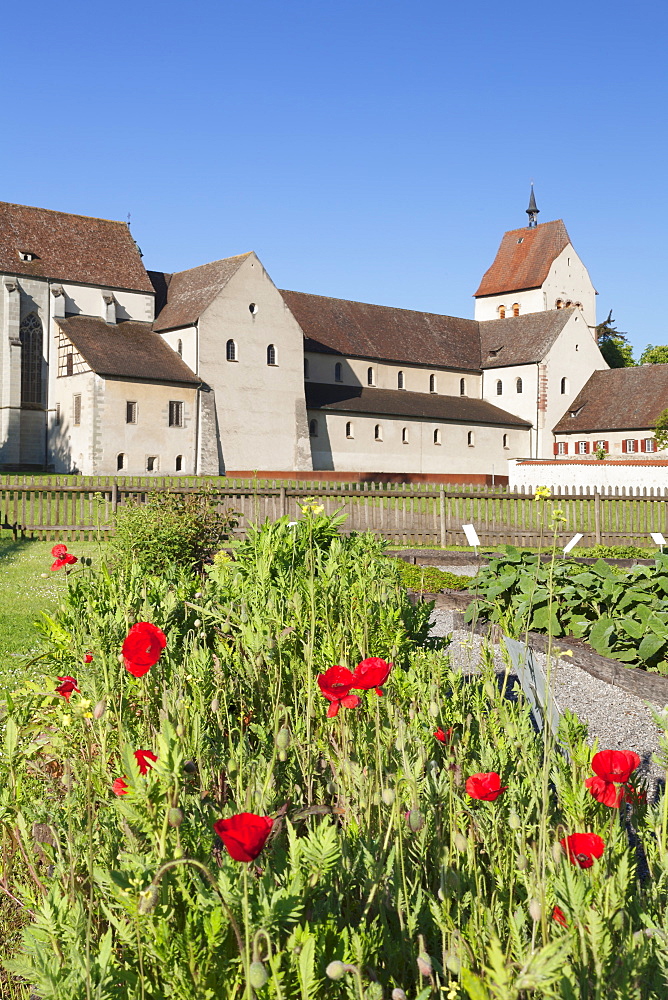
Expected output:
(283, 502)
(441, 504)
(114, 497)
(597, 515)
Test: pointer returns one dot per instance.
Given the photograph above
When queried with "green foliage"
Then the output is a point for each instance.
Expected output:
(619, 552)
(614, 344)
(654, 355)
(123, 903)
(171, 529)
(661, 430)
(430, 579)
(623, 614)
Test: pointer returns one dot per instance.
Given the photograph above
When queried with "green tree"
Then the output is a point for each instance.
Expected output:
(654, 355)
(661, 430)
(614, 344)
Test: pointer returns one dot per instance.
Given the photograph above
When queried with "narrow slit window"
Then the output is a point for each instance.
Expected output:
(313, 428)
(120, 462)
(338, 370)
(404, 435)
(505, 441)
(76, 407)
(178, 465)
(564, 386)
(437, 435)
(69, 364)
(349, 429)
(432, 383)
(130, 412)
(518, 385)
(179, 348)
(370, 377)
(471, 439)
(462, 387)
(378, 433)
(400, 380)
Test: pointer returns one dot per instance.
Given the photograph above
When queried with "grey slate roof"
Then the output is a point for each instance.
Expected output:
(359, 329)
(70, 248)
(128, 350)
(521, 340)
(401, 403)
(618, 399)
(181, 298)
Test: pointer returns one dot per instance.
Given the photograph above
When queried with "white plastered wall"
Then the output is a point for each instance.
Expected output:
(530, 300)
(187, 335)
(88, 301)
(587, 477)
(614, 441)
(354, 371)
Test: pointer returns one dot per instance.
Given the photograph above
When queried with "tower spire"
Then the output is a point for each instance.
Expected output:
(532, 210)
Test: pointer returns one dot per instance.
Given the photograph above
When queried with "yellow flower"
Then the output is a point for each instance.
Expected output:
(67, 719)
(542, 493)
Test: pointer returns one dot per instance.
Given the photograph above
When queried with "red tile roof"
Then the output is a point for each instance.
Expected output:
(183, 297)
(523, 260)
(618, 399)
(70, 248)
(358, 329)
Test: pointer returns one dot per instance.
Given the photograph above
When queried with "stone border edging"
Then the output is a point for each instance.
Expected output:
(633, 680)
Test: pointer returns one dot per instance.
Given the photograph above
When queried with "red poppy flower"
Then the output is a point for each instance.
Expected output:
(605, 791)
(559, 916)
(67, 687)
(335, 684)
(583, 848)
(58, 551)
(444, 735)
(485, 786)
(67, 559)
(145, 759)
(371, 673)
(142, 648)
(615, 765)
(88, 658)
(244, 835)
(120, 786)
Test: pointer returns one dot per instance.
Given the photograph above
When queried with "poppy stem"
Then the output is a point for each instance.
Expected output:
(249, 988)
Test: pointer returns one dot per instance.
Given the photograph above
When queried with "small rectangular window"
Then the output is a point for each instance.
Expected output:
(130, 412)
(76, 420)
(175, 413)
(56, 418)
(650, 444)
(152, 463)
(562, 448)
(582, 447)
(630, 445)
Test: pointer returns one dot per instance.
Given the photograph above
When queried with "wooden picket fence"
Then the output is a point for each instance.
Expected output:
(415, 514)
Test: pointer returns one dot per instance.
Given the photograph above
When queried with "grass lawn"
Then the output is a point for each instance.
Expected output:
(27, 588)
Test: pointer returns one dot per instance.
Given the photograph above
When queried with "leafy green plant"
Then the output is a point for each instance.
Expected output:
(619, 552)
(430, 579)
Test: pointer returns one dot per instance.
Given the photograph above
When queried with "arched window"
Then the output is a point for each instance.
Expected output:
(404, 435)
(271, 355)
(30, 335)
(400, 380)
(178, 465)
(564, 386)
(370, 377)
(432, 383)
(462, 387)
(471, 439)
(437, 435)
(313, 428)
(231, 352)
(179, 348)
(120, 462)
(502, 312)
(306, 368)
(559, 304)
(378, 433)
(505, 441)
(518, 384)
(337, 372)
(350, 431)
(499, 387)
(516, 308)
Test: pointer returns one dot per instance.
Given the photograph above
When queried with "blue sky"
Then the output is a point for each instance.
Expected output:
(365, 150)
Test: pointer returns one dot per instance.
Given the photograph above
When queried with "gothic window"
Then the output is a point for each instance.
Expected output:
(462, 387)
(337, 372)
(518, 385)
(231, 350)
(400, 380)
(432, 383)
(499, 387)
(30, 335)
(271, 355)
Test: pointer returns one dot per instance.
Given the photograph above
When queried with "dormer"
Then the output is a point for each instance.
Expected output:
(108, 307)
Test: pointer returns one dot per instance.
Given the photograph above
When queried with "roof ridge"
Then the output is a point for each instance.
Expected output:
(209, 263)
(57, 211)
(378, 305)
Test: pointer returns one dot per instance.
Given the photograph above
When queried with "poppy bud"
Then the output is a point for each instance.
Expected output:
(283, 738)
(180, 731)
(453, 965)
(375, 799)
(461, 843)
(190, 767)
(411, 713)
(197, 622)
(398, 994)
(175, 816)
(535, 910)
(556, 852)
(514, 822)
(100, 708)
(490, 690)
(433, 709)
(282, 756)
(335, 970)
(148, 899)
(522, 863)
(388, 796)
(215, 705)
(332, 788)
(415, 820)
(257, 975)
(424, 964)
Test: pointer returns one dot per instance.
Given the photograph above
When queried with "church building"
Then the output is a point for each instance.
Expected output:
(108, 368)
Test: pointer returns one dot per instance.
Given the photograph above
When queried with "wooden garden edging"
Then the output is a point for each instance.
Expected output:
(644, 685)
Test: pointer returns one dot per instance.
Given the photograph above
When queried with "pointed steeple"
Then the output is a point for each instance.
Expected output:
(532, 210)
